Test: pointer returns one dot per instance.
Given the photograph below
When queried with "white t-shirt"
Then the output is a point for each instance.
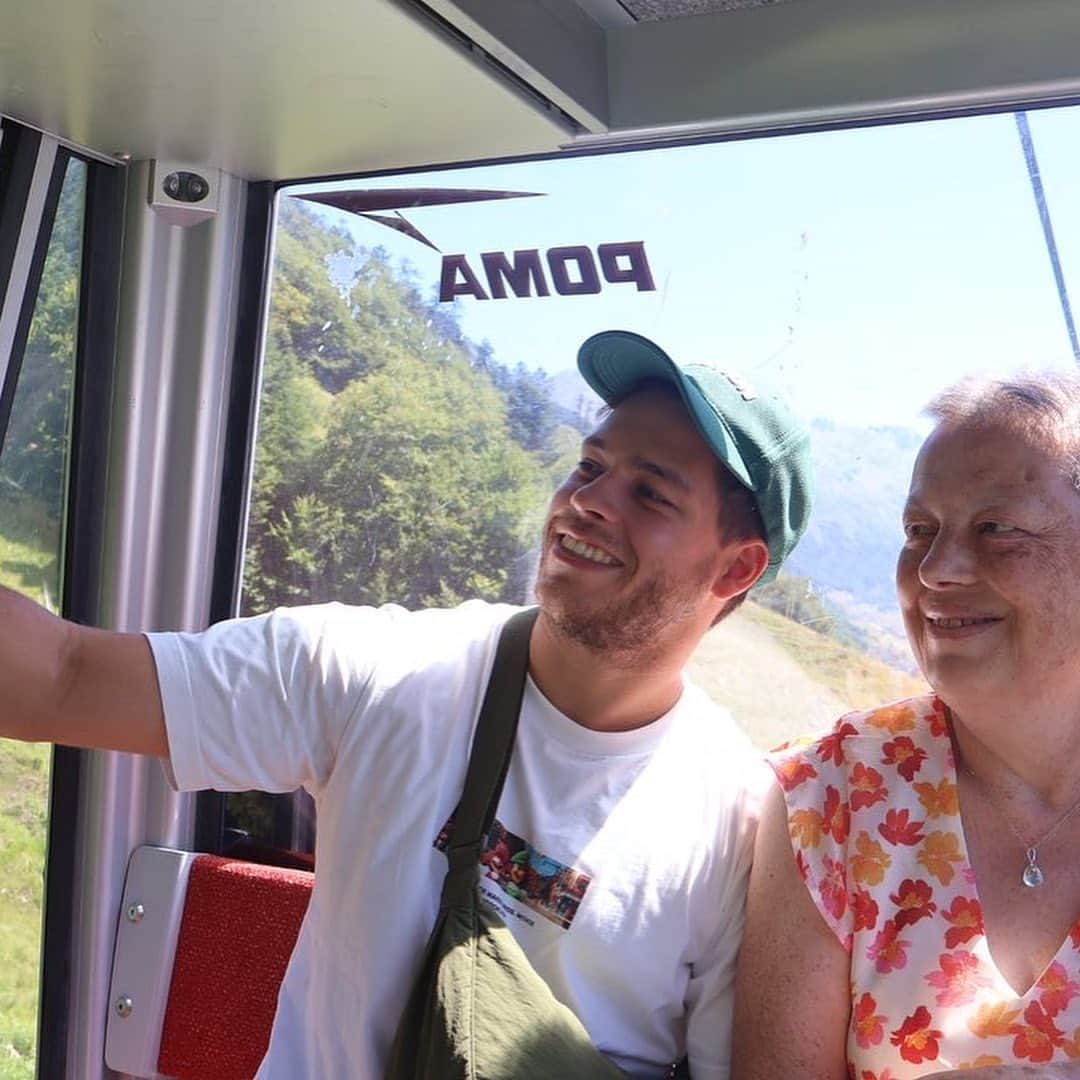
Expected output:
(619, 860)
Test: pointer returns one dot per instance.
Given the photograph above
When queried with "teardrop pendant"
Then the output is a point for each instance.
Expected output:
(1032, 876)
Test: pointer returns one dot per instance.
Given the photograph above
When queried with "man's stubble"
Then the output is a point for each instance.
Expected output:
(626, 629)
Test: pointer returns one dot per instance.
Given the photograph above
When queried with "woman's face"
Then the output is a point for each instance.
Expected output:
(989, 574)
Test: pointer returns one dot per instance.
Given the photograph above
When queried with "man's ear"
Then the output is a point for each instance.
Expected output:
(744, 564)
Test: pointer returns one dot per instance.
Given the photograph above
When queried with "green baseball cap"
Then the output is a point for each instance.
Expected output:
(754, 436)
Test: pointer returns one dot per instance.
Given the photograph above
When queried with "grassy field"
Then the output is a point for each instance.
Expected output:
(24, 786)
(24, 779)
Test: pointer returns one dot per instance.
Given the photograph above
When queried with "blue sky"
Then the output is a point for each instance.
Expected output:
(858, 270)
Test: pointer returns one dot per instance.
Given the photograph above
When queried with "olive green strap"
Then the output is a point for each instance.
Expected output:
(492, 745)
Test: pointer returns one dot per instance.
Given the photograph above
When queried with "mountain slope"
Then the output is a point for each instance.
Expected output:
(781, 680)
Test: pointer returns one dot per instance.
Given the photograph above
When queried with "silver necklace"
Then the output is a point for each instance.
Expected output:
(1033, 875)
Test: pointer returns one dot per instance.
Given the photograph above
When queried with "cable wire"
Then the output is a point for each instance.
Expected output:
(1048, 229)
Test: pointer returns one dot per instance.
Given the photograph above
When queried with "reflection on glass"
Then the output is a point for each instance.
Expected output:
(419, 405)
(33, 467)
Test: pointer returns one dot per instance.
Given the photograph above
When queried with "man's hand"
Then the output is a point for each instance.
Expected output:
(75, 685)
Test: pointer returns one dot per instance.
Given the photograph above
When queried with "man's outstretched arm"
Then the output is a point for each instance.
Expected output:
(70, 684)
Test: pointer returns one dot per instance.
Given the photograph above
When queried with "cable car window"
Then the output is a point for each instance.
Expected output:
(420, 399)
(33, 468)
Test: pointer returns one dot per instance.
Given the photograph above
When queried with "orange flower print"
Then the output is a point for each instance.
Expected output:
(867, 786)
(888, 950)
(913, 901)
(939, 723)
(1072, 1046)
(893, 718)
(805, 826)
(905, 755)
(992, 1019)
(917, 1040)
(792, 772)
(939, 800)
(939, 851)
(966, 921)
(1037, 1038)
(1056, 989)
(958, 979)
(875, 822)
(837, 818)
(869, 1027)
(870, 861)
(865, 910)
(833, 887)
(897, 828)
(831, 748)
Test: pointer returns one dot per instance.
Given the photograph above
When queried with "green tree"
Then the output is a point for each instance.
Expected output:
(36, 440)
(396, 461)
(421, 495)
(293, 419)
(310, 316)
(532, 413)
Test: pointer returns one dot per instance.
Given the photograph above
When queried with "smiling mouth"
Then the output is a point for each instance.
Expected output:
(586, 551)
(957, 623)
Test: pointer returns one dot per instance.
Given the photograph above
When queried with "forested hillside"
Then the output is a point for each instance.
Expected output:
(395, 461)
(850, 549)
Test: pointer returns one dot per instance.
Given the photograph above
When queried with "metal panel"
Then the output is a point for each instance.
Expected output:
(252, 319)
(657, 10)
(555, 48)
(264, 89)
(166, 429)
(833, 61)
(150, 915)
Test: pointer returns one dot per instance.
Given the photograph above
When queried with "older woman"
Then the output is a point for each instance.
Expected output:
(916, 889)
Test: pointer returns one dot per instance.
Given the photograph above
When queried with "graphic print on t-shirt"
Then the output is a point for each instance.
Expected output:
(532, 878)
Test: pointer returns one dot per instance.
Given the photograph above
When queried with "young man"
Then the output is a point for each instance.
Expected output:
(624, 831)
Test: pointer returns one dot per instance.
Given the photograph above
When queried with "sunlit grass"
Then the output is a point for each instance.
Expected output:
(24, 781)
(859, 680)
(781, 680)
(28, 548)
(28, 564)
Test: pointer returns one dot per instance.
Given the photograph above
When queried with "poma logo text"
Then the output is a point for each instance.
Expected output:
(572, 270)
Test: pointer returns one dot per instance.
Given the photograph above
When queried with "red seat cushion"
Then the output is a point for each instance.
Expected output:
(238, 930)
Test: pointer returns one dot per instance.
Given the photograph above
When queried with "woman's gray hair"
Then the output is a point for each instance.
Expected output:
(1045, 404)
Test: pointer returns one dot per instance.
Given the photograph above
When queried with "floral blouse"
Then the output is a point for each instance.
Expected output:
(874, 817)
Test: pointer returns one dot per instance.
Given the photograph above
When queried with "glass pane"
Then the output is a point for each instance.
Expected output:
(33, 467)
(421, 397)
